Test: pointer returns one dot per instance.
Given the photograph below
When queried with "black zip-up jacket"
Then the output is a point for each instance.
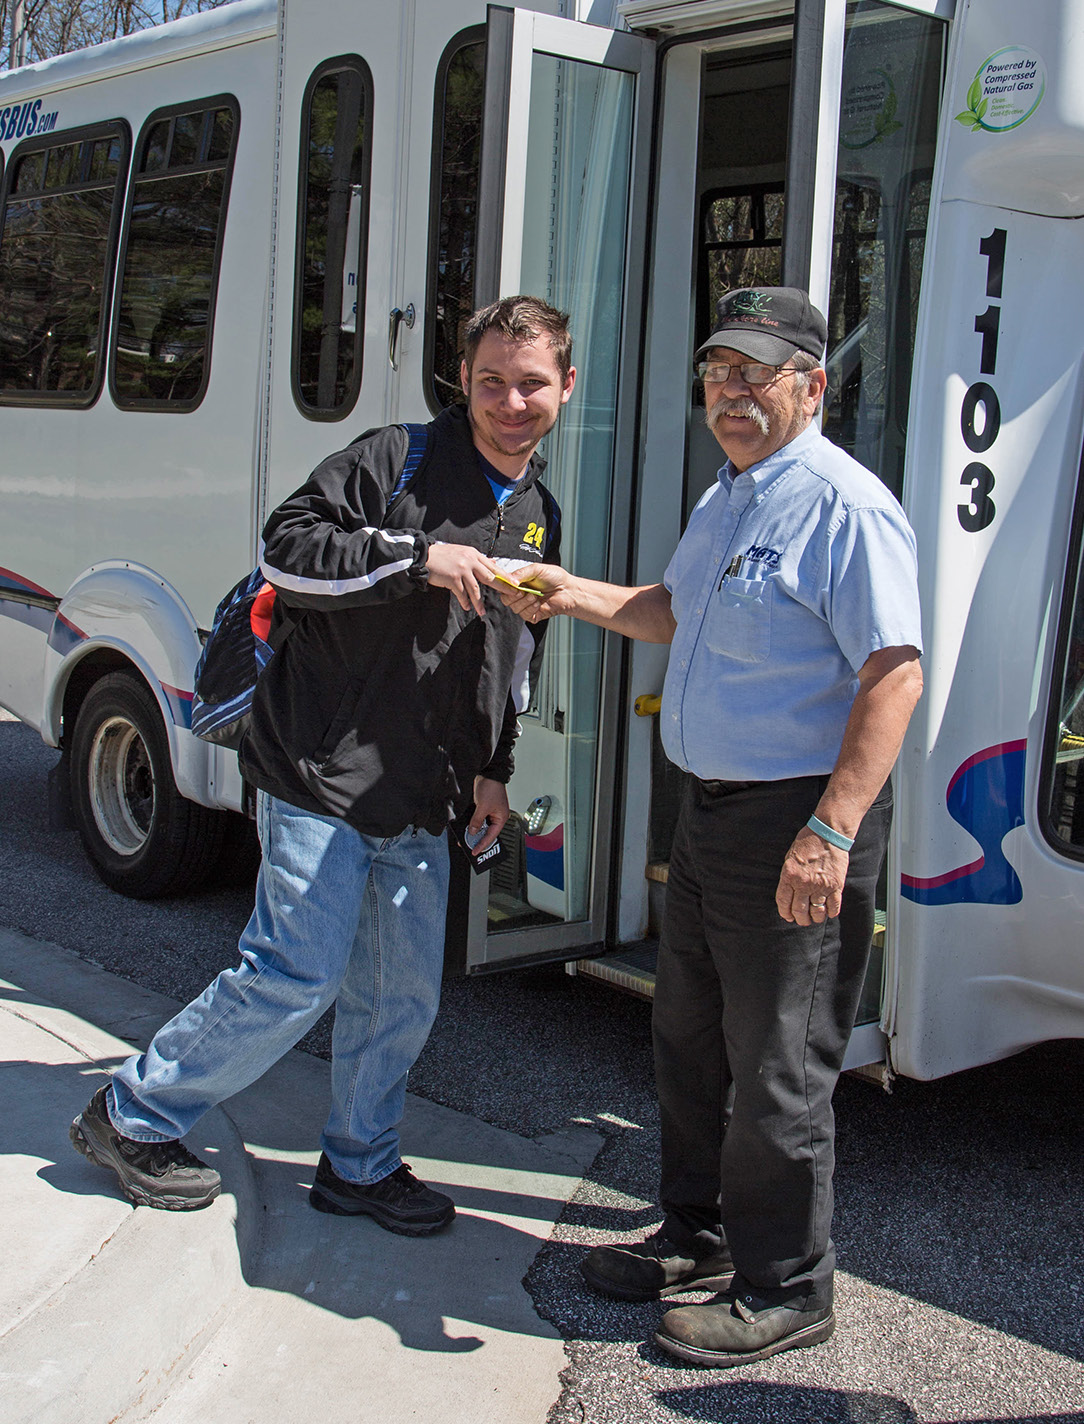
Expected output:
(387, 699)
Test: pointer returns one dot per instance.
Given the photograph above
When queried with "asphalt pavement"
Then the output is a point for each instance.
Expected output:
(959, 1213)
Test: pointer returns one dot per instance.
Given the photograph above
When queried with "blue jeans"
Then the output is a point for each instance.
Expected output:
(340, 918)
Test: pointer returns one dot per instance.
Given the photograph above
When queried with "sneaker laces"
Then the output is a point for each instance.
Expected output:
(157, 1158)
(400, 1184)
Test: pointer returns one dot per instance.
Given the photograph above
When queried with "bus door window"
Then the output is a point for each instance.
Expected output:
(741, 241)
(453, 223)
(890, 92)
(892, 66)
(740, 187)
(332, 238)
(176, 216)
(58, 237)
(741, 163)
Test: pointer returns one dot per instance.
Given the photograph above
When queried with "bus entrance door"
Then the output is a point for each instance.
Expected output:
(563, 182)
(795, 154)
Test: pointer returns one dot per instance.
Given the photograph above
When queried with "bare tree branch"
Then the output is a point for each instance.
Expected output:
(59, 26)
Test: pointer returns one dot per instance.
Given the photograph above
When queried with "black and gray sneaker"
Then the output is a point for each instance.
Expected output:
(398, 1202)
(160, 1174)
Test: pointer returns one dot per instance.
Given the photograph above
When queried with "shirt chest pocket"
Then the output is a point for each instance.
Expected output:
(739, 621)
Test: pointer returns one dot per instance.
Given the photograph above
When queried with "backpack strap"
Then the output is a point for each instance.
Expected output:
(418, 437)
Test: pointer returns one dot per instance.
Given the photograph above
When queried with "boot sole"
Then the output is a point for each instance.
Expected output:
(132, 1191)
(814, 1334)
(337, 1206)
(717, 1282)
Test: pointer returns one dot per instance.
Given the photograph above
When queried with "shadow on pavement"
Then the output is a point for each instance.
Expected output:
(797, 1404)
(350, 1266)
(963, 1194)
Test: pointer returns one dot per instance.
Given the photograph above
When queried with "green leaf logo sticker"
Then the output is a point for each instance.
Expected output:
(1006, 91)
(870, 105)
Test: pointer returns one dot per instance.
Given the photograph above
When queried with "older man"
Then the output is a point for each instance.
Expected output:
(792, 608)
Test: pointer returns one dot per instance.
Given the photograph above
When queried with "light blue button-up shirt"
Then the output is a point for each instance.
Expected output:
(787, 578)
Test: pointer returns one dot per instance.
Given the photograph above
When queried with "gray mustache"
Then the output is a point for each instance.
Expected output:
(744, 407)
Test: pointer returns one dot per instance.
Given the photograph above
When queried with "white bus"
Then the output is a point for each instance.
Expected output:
(230, 244)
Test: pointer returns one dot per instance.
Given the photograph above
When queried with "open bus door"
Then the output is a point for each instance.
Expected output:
(563, 172)
(791, 149)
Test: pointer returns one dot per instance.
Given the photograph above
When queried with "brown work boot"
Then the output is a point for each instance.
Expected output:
(738, 1331)
(646, 1270)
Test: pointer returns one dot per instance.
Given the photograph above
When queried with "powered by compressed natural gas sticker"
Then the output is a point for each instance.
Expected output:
(1006, 91)
(869, 110)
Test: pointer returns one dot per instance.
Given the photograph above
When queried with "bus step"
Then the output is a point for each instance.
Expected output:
(631, 968)
(656, 872)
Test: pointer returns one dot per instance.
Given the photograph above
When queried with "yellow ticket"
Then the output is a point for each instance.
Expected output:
(519, 587)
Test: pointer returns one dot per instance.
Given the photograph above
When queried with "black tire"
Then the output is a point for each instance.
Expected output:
(143, 838)
(240, 858)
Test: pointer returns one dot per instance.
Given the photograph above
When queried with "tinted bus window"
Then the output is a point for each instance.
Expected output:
(57, 249)
(741, 243)
(741, 157)
(457, 150)
(333, 224)
(1063, 761)
(892, 67)
(161, 352)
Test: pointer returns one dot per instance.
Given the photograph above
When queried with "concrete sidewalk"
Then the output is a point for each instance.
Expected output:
(257, 1308)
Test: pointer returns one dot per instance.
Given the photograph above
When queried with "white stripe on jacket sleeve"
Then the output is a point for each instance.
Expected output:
(299, 583)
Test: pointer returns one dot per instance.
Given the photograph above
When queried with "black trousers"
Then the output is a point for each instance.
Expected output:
(751, 1020)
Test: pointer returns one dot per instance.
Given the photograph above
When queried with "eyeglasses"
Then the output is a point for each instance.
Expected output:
(753, 373)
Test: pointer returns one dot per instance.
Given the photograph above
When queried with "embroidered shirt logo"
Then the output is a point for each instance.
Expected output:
(760, 554)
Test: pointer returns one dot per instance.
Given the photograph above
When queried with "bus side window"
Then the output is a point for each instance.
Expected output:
(893, 63)
(453, 213)
(332, 238)
(58, 241)
(741, 243)
(1061, 795)
(176, 215)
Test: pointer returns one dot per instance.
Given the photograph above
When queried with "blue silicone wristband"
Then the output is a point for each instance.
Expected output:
(826, 833)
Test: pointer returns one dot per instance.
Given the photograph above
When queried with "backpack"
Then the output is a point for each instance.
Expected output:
(240, 643)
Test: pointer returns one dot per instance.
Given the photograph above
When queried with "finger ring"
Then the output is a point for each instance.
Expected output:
(819, 904)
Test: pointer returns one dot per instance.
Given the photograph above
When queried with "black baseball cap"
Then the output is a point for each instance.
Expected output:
(767, 324)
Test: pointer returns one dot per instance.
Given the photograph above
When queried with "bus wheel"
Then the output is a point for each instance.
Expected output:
(143, 838)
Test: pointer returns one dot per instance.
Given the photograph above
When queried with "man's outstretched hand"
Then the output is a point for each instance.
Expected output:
(553, 582)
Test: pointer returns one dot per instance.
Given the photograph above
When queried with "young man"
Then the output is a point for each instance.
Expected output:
(388, 711)
(791, 605)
